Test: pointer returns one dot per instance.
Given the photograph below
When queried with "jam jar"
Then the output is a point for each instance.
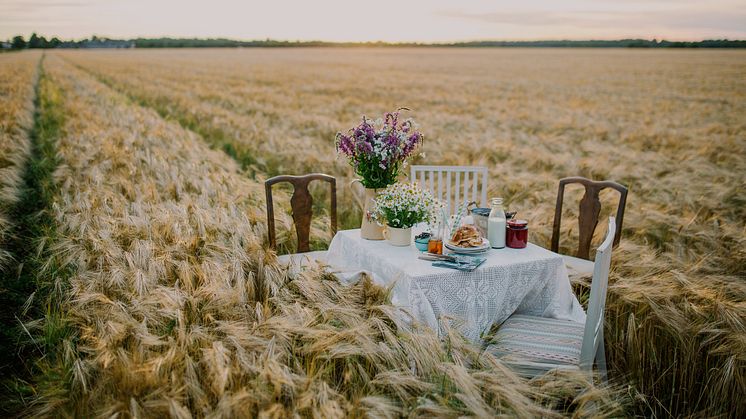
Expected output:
(517, 234)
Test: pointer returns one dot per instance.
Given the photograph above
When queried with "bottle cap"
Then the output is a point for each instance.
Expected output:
(497, 201)
(518, 223)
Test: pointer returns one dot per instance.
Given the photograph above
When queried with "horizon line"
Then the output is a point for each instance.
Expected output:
(425, 43)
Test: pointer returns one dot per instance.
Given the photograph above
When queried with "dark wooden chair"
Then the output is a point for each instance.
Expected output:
(590, 209)
(301, 203)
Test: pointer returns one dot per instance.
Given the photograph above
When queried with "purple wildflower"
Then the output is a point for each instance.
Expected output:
(377, 150)
(392, 119)
(344, 144)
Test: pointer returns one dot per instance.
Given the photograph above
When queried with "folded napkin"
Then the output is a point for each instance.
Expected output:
(462, 263)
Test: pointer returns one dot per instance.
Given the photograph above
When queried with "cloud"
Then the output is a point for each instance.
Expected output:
(47, 3)
(393, 20)
(732, 20)
(29, 7)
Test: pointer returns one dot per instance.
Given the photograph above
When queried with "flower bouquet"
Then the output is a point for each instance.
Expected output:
(401, 206)
(377, 150)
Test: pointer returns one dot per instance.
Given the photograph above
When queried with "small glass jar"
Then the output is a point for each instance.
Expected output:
(517, 234)
(435, 244)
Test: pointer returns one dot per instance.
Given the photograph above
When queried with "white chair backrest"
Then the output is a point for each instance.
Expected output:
(594, 322)
(453, 185)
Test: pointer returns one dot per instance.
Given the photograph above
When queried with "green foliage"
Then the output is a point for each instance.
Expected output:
(18, 42)
(373, 176)
(35, 41)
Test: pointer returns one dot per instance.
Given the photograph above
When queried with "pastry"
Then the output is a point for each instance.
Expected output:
(466, 236)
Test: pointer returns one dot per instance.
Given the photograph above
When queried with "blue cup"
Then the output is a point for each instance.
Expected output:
(421, 244)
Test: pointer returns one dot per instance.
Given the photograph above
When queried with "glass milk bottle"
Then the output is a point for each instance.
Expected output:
(496, 224)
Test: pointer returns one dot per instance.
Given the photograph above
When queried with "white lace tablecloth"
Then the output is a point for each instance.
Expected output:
(527, 281)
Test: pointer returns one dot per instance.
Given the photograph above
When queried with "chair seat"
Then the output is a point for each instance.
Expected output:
(301, 258)
(296, 260)
(577, 267)
(539, 342)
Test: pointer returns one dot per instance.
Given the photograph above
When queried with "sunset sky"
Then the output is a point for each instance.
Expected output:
(385, 20)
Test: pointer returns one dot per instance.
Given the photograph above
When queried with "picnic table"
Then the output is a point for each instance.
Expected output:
(530, 281)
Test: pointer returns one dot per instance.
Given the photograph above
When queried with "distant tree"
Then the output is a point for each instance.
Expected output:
(18, 42)
(34, 41)
(54, 42)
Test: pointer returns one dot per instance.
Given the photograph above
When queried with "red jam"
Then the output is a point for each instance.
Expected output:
(517, 234)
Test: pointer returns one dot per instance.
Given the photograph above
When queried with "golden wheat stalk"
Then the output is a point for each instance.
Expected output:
(667, 125)
(177, 309)
(19, 72)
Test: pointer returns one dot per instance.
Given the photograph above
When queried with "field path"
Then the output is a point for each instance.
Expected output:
(27, 196)
(17, 93)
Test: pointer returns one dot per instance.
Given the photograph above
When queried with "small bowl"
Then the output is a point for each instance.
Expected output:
(421, 244)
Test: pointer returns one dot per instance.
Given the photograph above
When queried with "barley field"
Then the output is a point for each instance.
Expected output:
(152, 290)
(16, 118)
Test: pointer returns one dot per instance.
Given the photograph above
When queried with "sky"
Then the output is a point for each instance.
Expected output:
(381, 20)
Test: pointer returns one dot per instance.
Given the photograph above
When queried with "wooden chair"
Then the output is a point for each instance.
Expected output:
(301, 203)
(445, 183)
(590, 208)
(534, 345)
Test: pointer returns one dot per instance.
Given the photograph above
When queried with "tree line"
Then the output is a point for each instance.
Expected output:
(18, 42)
(35, 41)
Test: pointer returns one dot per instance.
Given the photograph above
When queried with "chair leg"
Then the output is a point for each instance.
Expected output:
(601, 359)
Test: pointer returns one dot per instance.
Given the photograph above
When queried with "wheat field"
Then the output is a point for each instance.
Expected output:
(157, 294)
(16, 118)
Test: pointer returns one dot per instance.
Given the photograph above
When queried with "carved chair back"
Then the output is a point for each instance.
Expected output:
(590, 208)
(302, 205)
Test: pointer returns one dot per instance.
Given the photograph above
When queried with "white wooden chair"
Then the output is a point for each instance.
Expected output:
(535, 345)
(453, 185)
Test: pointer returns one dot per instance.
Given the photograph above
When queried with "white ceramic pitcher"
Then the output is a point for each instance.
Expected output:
(369, 228)
(398, 236)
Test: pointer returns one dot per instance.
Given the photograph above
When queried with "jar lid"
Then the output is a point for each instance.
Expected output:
(481, 211)
(518, 223)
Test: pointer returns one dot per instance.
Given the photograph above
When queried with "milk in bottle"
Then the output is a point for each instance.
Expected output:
(496, 224)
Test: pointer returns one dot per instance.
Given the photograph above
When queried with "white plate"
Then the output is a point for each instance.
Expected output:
(468, 250)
